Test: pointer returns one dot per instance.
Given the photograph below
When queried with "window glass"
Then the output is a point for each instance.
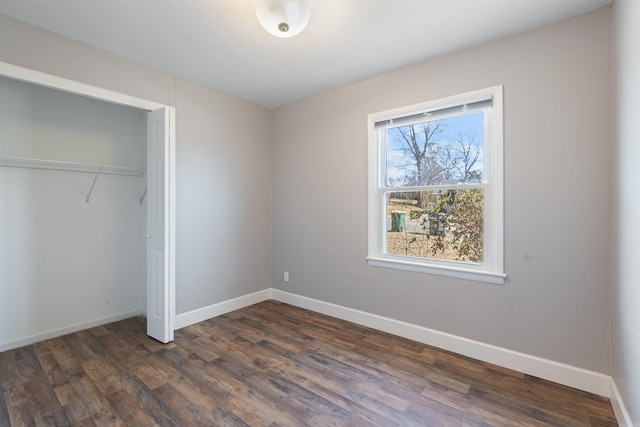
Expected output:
(448, 227)
(447, 151)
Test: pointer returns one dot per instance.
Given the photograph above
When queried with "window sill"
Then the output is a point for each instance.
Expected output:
(458, 273)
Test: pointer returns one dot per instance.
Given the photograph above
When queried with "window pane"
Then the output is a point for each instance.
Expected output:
(436, 152)
(445, 225)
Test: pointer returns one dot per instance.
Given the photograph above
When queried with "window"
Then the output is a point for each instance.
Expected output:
(436, 187)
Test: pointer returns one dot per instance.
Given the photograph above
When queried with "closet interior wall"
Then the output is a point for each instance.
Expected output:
(66, 261)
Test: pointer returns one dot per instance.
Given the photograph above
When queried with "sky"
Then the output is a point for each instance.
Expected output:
(401, 164)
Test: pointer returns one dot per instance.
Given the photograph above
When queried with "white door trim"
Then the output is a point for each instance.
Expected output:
(60, 83)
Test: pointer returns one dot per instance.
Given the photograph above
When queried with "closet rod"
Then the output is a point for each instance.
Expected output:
(56, 165)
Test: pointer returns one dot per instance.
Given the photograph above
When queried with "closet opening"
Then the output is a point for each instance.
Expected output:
(87, 196)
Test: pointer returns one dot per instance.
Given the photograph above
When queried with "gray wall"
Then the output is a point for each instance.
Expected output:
(626, 137)
(222, 161)
(64, 261)
(554, 304)
(223, 197)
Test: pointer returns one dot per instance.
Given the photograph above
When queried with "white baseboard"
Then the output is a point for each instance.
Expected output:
(208, 312)
(66, 330)
(622, 415)
(582, 379)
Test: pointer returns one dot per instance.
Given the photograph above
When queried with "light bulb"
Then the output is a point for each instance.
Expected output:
(283, 18)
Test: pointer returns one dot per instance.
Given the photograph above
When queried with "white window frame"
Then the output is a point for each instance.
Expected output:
(491, 270)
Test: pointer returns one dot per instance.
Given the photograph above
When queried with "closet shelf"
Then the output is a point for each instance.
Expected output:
(55, 165)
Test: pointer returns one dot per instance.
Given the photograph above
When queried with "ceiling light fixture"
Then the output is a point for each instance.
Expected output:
(283, 18)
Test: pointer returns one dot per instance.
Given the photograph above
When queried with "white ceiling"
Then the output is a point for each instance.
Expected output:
(220, 44)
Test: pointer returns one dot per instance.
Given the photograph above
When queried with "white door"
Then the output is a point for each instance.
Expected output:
(160, 242)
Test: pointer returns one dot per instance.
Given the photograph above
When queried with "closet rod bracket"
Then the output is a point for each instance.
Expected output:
(94, 183)
(144, 193)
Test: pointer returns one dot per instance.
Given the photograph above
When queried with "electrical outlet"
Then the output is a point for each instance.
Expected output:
(286, 276)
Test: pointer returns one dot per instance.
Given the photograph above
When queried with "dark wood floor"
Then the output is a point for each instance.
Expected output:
(272, 364)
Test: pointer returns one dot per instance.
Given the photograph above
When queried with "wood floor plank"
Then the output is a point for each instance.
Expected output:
(200, 347)
(77, 413)
(542, 400)
(148, 401)
(4, 413)
(435, 414)
(27, 363)
(443, 394)
(65, 358)
(65, 394)
(106, 377)
(56, 418)
(257, 410)
(9, 373)
(272, 364)
(18, 407)
(501, 404)
(271, 390)
(99, 331)
(191, 412)
(128, 409)
(96, 404)
(42, 398)
(88, 422)
(50, 365)
(151, 377)
(407, 370)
